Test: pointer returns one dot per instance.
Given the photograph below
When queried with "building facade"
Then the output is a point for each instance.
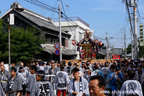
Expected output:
(46, 29)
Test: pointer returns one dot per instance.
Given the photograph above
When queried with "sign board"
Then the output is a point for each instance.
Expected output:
(57, 45)
(57, 52)
(141, 34)
(11, 22)
(116, 56)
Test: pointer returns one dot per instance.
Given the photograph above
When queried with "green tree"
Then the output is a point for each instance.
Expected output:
(24, 44)
(129, 49)
(141, 51)
(3, 43)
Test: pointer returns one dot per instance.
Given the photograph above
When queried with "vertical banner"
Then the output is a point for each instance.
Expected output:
(11, 19)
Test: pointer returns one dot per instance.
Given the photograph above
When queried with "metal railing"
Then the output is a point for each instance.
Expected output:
(71, 19)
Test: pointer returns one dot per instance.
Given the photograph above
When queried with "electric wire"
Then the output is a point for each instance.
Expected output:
(50, 8)
(42, 6)
(66, 18)
(129, 17)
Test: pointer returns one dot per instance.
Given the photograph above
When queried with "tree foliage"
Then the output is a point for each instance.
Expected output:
(140, 53)
(24, 44)
(129, 49)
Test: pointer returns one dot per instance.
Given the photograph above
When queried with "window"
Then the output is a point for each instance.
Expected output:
(48, 39)
(56, 40)
(63, 42)
(141, 26)
(141, 33)
(141, 29)
(141, 36)
(51, 39)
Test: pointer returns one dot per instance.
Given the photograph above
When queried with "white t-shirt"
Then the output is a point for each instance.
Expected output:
(77, 89)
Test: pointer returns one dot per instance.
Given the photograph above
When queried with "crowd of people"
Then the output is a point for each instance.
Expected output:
(115, 78)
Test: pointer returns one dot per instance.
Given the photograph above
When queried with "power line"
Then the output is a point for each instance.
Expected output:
(46, 4)
(127, 8)
(66, 18)
(69, 19)
(139, 16)
(121, 38)
(42, 5)
(54, 12)
(99, 38)
(50, 8)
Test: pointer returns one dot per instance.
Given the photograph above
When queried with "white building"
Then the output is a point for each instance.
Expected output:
(76, 27)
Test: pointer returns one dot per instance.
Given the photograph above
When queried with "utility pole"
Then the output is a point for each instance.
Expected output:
(134, 41)
(125, 43)
(131, 45)
(60, 40)
(135, 31)
(9, 42)
(107, 46)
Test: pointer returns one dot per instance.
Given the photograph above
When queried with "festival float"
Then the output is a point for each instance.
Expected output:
(89, 48)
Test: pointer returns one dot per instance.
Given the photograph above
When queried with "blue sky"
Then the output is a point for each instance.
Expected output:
(102, 15)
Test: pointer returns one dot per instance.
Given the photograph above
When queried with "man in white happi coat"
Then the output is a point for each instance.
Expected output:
(131, 87)
(61, 81)
(78, 86)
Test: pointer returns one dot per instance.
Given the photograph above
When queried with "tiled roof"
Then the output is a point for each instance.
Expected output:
(34, 17)
(38, 19)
